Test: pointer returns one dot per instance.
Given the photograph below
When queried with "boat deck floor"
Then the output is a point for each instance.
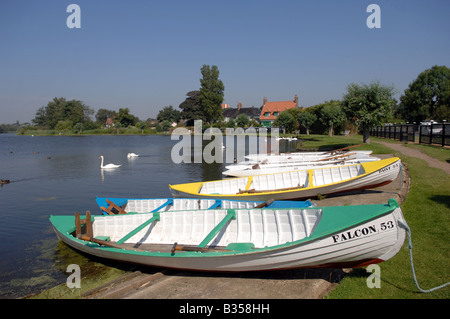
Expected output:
(170, 248)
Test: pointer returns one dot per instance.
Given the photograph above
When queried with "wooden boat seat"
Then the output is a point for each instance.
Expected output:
(113, 208)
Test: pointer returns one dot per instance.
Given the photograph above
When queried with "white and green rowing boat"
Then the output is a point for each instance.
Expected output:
(241, 239)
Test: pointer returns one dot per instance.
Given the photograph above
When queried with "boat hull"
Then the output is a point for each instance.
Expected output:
(372, 241)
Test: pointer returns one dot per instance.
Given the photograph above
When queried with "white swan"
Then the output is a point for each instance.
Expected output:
(108, 165)
(132, 155)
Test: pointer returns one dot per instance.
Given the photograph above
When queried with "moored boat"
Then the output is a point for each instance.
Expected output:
(297, 184)
(306, 156)
(264, 168)
(241, 239)
(111, 206)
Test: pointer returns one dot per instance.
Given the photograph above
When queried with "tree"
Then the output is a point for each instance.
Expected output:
(51, 114)
(231, 123)
(77, 112)
(211, 93)
(368, 105)
(78, 127)
(125, 118)
(61, 110)
(64, 125)
(190, 108)
(331, 115)
(103, 114)
(286, 121)
(165, 125)
(306, 119)
(169, 113)
(428, 96)
(242, 120)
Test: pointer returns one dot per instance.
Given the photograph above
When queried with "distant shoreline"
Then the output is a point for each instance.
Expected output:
(116, 132)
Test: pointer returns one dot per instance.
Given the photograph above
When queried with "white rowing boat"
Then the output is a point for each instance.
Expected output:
(241, 239)
(305, 156)
(263, 168)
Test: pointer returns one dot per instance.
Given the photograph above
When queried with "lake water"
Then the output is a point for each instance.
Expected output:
(61, 175)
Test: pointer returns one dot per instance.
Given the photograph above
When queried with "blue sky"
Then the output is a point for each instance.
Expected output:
(145, 55)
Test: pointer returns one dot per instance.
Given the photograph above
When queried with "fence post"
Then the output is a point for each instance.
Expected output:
(443, 134)
(431, 134)
(420, 134)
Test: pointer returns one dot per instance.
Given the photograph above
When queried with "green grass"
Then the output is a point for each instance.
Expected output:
(426, 210)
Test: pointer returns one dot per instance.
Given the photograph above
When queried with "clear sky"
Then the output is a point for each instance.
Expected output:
(147, 54)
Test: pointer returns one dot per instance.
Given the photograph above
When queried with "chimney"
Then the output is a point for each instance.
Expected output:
(264, 101)
(296, 100)
(239, 105)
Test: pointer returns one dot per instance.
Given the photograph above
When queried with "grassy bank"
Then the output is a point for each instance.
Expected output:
(426, 210)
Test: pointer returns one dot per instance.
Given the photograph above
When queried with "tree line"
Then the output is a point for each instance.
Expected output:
(362, 107)
(365, 106)
(61, 114)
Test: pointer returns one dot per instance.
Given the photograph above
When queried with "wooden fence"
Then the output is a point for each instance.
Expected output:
(425, 134)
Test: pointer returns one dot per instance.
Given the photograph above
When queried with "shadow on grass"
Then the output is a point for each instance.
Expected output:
(441, 199)
(330, 147)
(363, 273)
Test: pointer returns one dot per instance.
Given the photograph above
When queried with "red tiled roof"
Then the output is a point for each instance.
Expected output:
(272, 107)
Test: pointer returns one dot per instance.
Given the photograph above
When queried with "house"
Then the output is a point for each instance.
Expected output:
(109, 123)
(252, 113)
(271, 110)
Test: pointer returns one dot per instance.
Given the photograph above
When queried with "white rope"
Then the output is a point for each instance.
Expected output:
(408, 232)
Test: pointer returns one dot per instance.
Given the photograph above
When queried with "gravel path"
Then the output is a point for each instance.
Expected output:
(432, 162)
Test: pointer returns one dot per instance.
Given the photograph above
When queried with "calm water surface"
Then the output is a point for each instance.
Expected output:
(61, 175)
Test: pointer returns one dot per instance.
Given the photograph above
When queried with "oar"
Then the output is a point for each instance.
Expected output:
(334, 157)
(265, 204)
(344, 148)
(107, 243)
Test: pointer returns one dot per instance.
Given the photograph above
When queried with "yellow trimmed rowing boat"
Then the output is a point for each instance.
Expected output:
(296, 184)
